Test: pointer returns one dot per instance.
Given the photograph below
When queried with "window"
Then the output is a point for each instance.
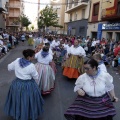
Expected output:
(83, 13)
(82, 30)
(96, 9)
(118, 11)
(75, 16)
(70, 17)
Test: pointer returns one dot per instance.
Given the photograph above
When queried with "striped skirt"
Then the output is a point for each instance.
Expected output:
(24, 100)
(90, 108)
(74, 62)
(46, 78)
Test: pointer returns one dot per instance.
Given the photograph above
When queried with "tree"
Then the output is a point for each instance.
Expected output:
(32, 27)
(59, 26)
(48, 17)
(24, 21)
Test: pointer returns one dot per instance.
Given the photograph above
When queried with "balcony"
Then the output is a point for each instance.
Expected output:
(76, 4)
(111, 14)
(14, 6)
(10, 24)
(14, 15)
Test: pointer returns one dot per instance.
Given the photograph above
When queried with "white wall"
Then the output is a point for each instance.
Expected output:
(3, 3)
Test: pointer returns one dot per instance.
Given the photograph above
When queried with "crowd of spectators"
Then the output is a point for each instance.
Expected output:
(8, 41)
(109, 49)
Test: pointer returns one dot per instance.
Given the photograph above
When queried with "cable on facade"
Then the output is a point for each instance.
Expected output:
(50, 3)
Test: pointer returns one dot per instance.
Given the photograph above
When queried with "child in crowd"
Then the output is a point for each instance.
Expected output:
(101, 64)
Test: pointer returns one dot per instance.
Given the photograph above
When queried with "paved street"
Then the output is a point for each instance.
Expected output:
(58, 101)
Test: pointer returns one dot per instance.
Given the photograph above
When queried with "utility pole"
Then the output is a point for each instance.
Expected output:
(38, 12)
(38, 7)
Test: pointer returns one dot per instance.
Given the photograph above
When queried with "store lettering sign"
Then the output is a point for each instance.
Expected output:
(112, 26)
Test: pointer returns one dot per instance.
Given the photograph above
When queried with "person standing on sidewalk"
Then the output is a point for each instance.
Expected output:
(24, 100)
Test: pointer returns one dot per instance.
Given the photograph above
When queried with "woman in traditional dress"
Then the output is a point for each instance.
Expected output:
(101, 64)
(73, 66)
(52, 64)
(95, 95)
(30, 40)
(46, 78)
(24, 100)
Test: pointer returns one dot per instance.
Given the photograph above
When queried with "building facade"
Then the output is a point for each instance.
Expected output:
(111, 14)
(3, 13)
(104, 19)
(57, 6)
(15, 9)
(76, 17)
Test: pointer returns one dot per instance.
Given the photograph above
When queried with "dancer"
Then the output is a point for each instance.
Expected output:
(46, 78)
(73, 66)
(95, 92)
(24, 100)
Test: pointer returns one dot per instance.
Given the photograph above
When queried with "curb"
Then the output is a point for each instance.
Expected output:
(4, 57)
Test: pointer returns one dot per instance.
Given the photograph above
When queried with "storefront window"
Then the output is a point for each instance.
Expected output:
(118, 36)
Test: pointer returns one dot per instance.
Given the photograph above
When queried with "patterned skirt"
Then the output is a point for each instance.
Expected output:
(30, 41)
(53, 66)
(91, 108)
(24, 100)
(73, 66)
(46, 78)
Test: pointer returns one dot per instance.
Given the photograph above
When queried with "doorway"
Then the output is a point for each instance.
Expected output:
(73, 31)
(118, 36)
(94, 35)
(109, 35)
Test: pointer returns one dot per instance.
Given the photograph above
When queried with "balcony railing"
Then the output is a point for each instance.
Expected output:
(14, 14)
(14, 6)
(76, 4)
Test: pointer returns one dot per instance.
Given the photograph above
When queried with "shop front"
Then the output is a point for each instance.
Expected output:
(111, 31)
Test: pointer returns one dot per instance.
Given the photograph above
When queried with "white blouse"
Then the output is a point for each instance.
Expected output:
(76, 51)
(55, 44)
(23, 73)
(45, 41)
(96, 86)
(50, 51)
(102, 67)
(43, 60)
(65, 46)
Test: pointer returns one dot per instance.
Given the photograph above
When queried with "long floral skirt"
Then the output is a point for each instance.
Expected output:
(46, 78)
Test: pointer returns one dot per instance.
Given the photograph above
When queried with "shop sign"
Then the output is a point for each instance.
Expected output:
(111, 26)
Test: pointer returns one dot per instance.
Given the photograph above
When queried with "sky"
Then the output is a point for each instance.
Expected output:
(31, 10)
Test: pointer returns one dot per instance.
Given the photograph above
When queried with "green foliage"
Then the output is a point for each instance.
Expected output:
(24, 21)
(59, 26)
(32, 27)
(48, 17)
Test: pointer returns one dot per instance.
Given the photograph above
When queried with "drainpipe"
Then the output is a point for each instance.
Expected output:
(89, 11)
